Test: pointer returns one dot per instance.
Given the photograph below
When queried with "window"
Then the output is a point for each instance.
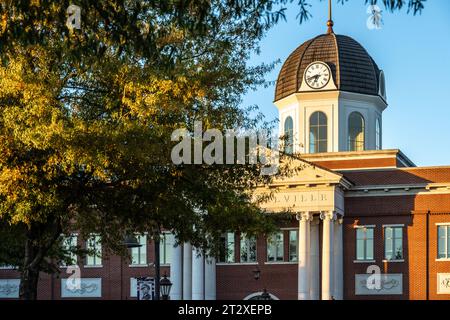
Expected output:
(248, 249)
(93, 244)
(227, 251)
(444, 242)
(364, 243)
(275, 247)
(289, 135)
(318, 132)
(377, 134)
(356, 132)
(393, 243)
(69, 244)
(139, 254)
(293, 245)
(166, 245)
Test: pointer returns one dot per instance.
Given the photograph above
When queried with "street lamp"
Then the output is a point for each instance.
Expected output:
(265, 295)
(165, 286)
(256, 273)
(130, 241)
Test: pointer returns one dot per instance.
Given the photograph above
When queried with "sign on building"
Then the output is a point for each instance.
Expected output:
(443, 285)
(86, 288)
(9, 288)
(145, 287)
(388, 284)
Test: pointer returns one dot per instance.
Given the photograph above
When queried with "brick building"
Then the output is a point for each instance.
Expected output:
(366, 222)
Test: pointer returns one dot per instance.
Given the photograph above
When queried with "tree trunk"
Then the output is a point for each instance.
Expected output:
(40, 239)
(30, 274)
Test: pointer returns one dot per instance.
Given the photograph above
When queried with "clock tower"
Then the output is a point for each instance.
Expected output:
(330, 95)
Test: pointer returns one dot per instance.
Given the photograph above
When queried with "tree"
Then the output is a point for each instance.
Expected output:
(87, 114)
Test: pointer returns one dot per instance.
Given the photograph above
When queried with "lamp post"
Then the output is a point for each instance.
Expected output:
(130, 242)
(265, 295)
(166, 285)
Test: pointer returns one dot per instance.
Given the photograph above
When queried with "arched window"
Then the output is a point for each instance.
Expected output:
(377, 134)
(356, 138)
(382, 85)
(318, 132)
(289, 135)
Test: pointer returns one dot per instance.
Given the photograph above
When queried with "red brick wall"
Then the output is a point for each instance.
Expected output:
(237, 281)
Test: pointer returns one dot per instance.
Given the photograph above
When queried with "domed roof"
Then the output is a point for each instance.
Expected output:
(353, 69)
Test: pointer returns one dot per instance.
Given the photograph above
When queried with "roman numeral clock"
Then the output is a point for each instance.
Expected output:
(317, 75)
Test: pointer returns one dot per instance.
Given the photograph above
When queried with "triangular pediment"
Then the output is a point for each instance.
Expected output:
(302, 172)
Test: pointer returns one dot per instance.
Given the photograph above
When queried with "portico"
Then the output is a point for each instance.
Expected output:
(316, 197)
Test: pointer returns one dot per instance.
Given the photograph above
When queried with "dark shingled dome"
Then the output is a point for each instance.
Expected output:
(352, 67)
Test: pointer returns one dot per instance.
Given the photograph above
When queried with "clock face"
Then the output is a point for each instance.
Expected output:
(317, 75)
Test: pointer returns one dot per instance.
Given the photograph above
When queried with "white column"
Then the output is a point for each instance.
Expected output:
(187, 271)
(327, 255)
(210, 279)
(314, 269)
(176, 273)
(303, 256)
(338, 261)
(198, 275)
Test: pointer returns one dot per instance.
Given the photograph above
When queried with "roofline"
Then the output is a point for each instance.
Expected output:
(323, 156)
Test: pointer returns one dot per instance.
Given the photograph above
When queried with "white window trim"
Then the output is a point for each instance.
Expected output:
(364, 261)
(131, 265)
(289, 246)
(226, 248)
(393, 225)
(240, 251)
(95, 256)
(443, 224)
(237, 264)
(384, 240)
(139, 265)
(367, 226)
(87, 266)
(276, 251)
(164, 246)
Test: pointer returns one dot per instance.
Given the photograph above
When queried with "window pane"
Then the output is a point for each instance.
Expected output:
(369, 233)
(388, 232)
(280, 246)
(448, 241)
(360, 249)
(398, 249)
(389, 248)
(248, 249)
(360, 233)
(230, 247)
(442, 242)
(322, 146)
(369, 249)
(322, 119)
(293, 236)
(398, 232)
(143, 250)
(135, 256)
(252, 250)
(322, 132)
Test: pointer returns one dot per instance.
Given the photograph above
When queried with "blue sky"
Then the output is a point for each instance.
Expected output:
(413, 51)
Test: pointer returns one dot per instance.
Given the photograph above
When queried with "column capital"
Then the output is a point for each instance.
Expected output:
(328, 215)
(304, 216)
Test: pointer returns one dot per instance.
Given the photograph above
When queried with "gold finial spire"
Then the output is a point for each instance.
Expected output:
(330, 22)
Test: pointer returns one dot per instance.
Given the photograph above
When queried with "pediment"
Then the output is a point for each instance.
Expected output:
(302, 172)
